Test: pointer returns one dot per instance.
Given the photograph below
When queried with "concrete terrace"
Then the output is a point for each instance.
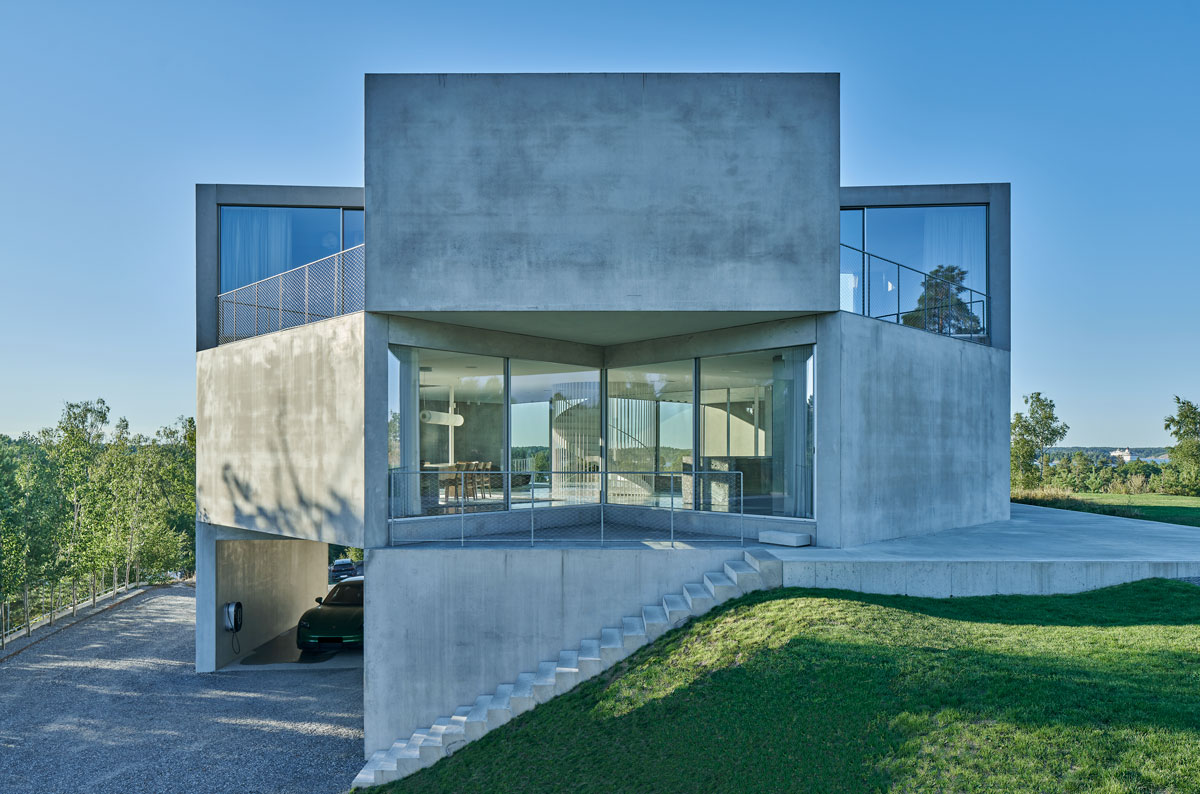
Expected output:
(1038, 551)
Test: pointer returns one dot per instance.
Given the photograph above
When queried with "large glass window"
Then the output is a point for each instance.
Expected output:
(649, 430)
(260, 242)
(555, 421)
(448, 430)
(924, 267)
(756, 420)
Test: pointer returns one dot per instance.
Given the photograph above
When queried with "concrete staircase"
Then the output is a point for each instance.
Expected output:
(757, 569)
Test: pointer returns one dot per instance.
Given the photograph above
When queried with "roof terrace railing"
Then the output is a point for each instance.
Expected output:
(878, 287)
(322, 289)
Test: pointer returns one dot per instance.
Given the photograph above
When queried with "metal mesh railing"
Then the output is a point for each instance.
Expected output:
(465, 505)
(326, 288)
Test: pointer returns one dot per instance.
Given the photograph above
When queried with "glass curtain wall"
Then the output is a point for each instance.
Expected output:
(447, 434)
(650, 429)
(756, 420)
(555, 421)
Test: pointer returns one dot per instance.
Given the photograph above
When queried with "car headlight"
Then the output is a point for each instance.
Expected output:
(304, 624)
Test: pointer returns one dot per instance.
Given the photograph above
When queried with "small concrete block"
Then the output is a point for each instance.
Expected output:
(779, 537)
(590, 660)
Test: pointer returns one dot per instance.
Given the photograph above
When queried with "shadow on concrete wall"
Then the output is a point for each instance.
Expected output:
(294, 511)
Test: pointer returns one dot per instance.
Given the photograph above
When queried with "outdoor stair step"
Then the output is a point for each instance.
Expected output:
(566, 675)
(612, 646)
(429, 747)
(654, 618)
(472, 730)
(590, 660)
(500, 707)
(698, 597)
(452, 734)
(545, 681)
(521, 699)
(769, 567)
(720, 585)
(744, 575)
(677, 609)
(633, 629)
(479, 712)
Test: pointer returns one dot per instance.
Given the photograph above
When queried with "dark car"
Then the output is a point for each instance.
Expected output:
(337, 621)
(342, 569)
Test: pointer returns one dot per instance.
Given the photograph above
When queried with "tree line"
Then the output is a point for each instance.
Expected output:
(1038, 428)
(86, 505)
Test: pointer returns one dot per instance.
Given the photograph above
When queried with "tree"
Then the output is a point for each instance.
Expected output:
(1038, 429)
(1184, 426)
(940, 307)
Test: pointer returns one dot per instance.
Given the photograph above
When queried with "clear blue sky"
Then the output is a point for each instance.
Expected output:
(113, 111)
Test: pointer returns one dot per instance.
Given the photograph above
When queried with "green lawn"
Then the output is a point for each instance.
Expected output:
(830, 691)
(1152, 507)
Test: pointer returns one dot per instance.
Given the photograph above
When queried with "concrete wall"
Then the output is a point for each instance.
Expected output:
(595, 192)
(444, 626)
(912, 431)
(209, 199)
(280, 431)
(276, 579)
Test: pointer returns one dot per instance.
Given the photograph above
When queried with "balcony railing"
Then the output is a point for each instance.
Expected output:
(886, 290)
(317, 291)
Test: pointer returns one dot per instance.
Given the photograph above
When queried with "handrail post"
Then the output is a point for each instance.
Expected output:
(462, 512)
(742, 508)
(601, 514)
(279, 306)
(306, 295)
(672, 482)
(532, 500)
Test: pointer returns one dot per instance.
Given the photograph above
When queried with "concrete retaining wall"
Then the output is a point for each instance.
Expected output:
(945, 579)
(444, 626)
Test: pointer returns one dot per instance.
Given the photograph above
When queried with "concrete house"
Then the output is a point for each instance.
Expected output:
(581, 344)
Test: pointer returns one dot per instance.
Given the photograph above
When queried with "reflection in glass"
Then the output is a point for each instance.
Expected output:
(259, 242)
(447, 432)
(756, 419)
(352, 228)
(926, 238)
(649, 430)
(555, 420)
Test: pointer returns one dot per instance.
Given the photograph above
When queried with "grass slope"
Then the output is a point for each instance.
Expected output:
(829, 691)
(1151, 507)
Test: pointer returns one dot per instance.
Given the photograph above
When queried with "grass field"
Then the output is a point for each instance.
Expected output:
(1152, 507)
(829, 691)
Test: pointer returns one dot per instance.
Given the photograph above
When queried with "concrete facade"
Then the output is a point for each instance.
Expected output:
(912, 431)
(274, 578)
(280, 424)
(625, 182)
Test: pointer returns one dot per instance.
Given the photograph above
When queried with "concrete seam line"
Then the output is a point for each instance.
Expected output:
(77, 621)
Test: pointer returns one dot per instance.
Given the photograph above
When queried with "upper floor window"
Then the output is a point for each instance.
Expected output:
(260, 242)
(924, 238)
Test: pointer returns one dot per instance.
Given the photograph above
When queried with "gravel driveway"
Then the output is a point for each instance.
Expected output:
(113, 705)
